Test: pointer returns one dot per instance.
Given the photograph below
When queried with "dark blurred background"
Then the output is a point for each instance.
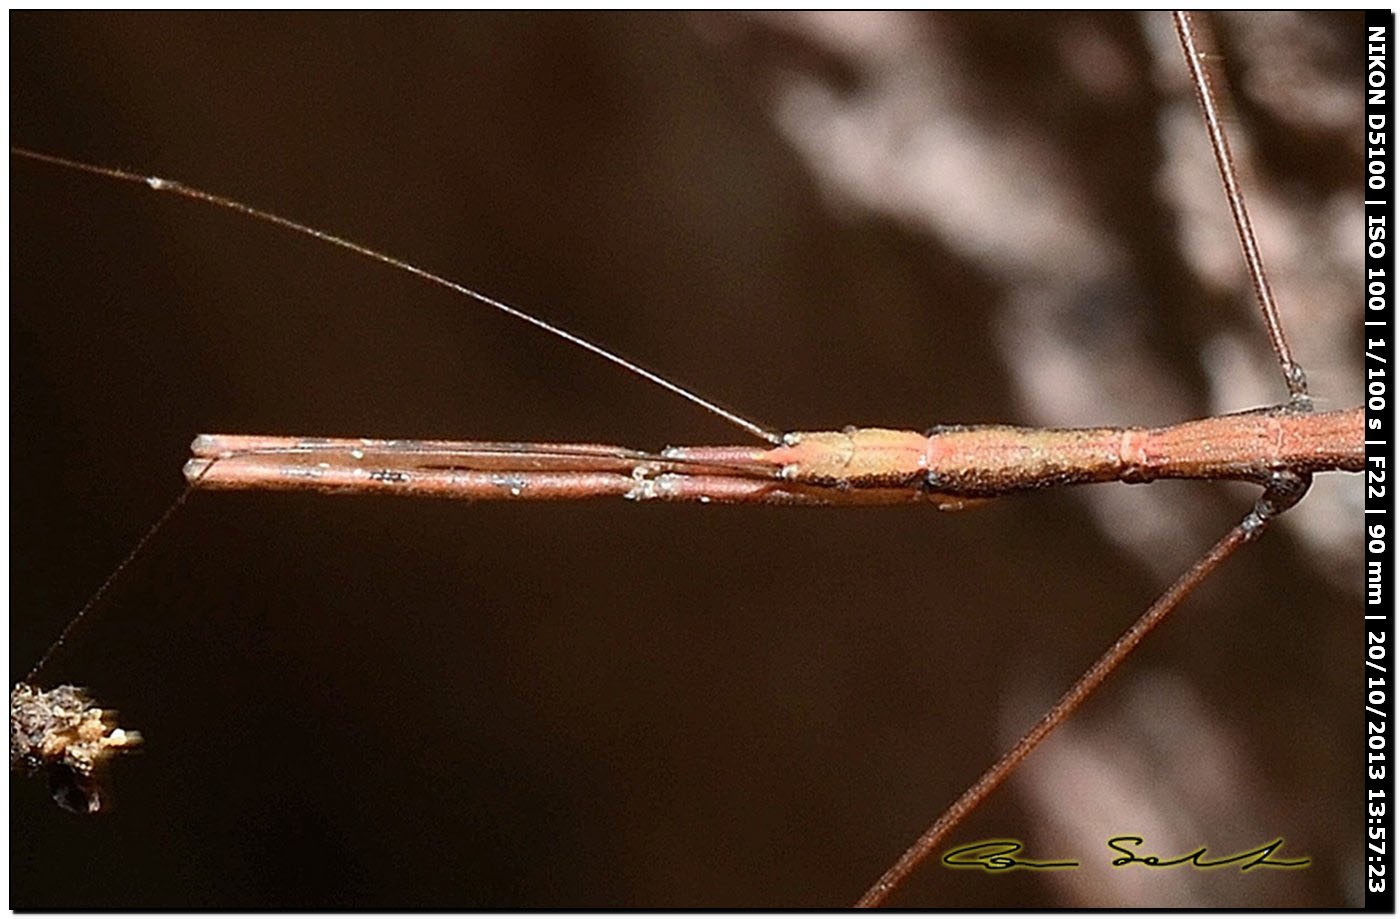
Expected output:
(892, 220)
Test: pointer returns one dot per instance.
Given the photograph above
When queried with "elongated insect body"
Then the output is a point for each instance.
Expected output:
(947, 468)
(466, 706)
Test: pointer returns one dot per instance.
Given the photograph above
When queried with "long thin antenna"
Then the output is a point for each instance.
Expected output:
(1192, 40)
(197, 194)
(1286, 490)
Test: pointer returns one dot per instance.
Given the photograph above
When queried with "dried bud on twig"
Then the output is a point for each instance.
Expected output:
(64, 732)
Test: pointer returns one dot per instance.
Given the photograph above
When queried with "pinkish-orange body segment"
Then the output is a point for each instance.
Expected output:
(949, 468)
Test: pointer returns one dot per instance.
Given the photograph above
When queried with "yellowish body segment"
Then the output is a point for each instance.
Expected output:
(858, 457)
